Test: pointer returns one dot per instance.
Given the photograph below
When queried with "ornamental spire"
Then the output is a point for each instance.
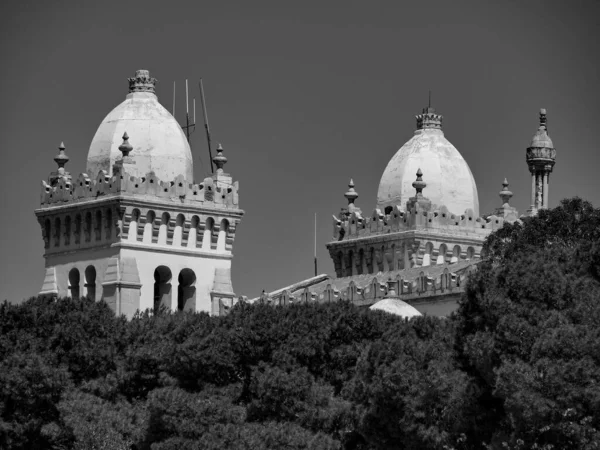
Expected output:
(351, 194)
(125, 147)
(219, 159)
(142, 82)
(505, 194)
(419, 184)
(62, 158)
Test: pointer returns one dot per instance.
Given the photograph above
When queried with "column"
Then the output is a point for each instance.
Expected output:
(546, 175)
(533, 186)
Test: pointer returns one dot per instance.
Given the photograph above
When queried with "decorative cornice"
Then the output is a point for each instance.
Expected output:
(429, 119)
(142, 82)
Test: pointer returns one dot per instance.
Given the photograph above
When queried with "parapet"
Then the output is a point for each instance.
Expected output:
(353, 225)
(217, 191)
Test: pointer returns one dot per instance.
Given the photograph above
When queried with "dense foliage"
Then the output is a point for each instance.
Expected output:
(518, 365)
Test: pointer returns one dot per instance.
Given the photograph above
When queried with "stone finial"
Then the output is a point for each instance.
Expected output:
(62, 158)
(505, 194)
(419, 184)
(142, 82)
(543, 120)
(125, 147)
(219, 159)
(351, 194)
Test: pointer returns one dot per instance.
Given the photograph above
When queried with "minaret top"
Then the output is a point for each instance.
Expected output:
(351, 194)
(541, 138)
(142, 82)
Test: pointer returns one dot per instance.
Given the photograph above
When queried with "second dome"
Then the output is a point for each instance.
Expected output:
(448, 177)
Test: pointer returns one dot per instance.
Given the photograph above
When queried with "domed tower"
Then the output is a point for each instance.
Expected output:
(540, 158)
(136, 230)
(427, 211)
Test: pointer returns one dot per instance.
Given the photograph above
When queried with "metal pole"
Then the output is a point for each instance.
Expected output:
(315, 252)
(203, 101)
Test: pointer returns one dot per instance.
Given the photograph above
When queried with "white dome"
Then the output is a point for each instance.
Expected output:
(448, 177)
(159, 144)
(395, 306)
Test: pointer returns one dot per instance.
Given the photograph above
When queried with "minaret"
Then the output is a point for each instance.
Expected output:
(540, 158)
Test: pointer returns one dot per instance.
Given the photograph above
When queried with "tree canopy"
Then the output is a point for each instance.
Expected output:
(517, 366)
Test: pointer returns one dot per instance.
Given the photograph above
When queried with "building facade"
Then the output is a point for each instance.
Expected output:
(425, 234)
(136, 230)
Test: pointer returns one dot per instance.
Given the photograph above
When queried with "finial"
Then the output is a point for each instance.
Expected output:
(142, 82)
(543, 120)
(219, 159)
(125, 147)
(505, 194)
(351, 195)
(419, 184)
(62, 158)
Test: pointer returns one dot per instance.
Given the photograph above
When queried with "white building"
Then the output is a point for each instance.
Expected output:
(136, 230)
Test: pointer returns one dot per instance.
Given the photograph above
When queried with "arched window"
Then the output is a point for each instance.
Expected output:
(74, 283)
(109, 224)
(455, 254)
(47, 233)
(178, 232)
(349, 261)
(427, 255)
(470, 253)
(132, 233)
(57, 232)
(223, 230)
(98, 225)
(186, 290)
(87, 230)
(68, 230)
(90, 282)
(206, 237)
(148, 228)
(441, 259)
(162, 288)
(77, 229)
(192, 239)
(164, 226)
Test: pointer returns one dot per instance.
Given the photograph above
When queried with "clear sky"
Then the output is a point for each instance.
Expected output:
(303, 96)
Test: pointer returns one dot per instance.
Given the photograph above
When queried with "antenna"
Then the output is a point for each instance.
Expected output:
(429, 98)
(188, 125)
(315, 253)
(212, 169)
(173, 99)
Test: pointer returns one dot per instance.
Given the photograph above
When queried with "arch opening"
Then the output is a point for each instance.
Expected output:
(162, 288)
(206, 237)
(223, 230)
(90, 282)
(74, 278)
(186, 290)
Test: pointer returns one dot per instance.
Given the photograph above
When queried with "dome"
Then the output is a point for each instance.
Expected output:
(396, 307)
(448, 177)
(159, 144)
(541, 138)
